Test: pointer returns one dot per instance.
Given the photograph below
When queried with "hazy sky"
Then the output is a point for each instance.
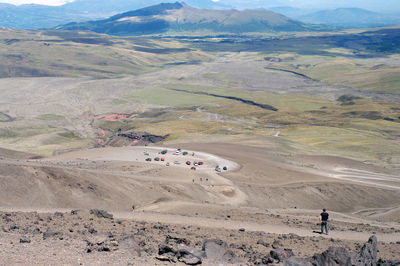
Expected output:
(374, 5)
(42, 2)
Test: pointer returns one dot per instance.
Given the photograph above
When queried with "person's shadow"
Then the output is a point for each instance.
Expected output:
(317, 232)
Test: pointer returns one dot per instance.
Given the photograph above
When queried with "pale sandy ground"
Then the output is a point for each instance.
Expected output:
(262, 191)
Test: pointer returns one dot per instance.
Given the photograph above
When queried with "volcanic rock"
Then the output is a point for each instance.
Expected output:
(101, 214)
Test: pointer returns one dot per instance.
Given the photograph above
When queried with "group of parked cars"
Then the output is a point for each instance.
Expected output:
(188, 163)
(218, 168)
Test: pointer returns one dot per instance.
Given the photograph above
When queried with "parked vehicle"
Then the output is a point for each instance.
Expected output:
(164, 151)
(193, 168)
(185, 153)
(225, 168)
(162, 159)
(157, 159)
(200, 163)
(188, 163)
(148, 159)
(177, 162)
(217, 168)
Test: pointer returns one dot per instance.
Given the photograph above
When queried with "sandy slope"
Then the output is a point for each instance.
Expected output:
(264, 186)
(263, 191)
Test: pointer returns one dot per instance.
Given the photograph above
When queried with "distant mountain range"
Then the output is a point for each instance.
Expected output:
(179, 17)
(340, 17)
(350, 18)
(292, 12)
(384, 6)
(41, 16)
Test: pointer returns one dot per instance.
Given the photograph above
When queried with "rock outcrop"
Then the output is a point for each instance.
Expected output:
(101, 214)
(176, 249)
(334, 256)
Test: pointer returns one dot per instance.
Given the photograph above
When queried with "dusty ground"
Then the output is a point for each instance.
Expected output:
(64, 237)
(271, 189)
(273, 197)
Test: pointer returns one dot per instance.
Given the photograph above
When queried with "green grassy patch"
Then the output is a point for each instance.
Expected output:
(8, 133)
(350, 143)
(165, 97)
(51, 117)
(69, 135)
(119, 101)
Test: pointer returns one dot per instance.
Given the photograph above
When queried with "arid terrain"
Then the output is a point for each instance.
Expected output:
(76, 130)
(274, 198)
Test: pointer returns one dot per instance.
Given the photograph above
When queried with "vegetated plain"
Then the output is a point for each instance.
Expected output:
(313, 119)
(181, 86)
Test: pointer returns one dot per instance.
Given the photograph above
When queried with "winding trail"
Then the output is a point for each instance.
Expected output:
(250, 226)
(355, 175)
(367, 177)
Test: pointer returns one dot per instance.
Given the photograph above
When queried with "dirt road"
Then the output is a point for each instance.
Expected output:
(260, 227)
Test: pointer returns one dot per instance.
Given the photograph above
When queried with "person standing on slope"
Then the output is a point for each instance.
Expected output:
(323, 218)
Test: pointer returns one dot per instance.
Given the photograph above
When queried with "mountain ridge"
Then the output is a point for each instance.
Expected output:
(180, 17)
(350, 18)
(34, 16)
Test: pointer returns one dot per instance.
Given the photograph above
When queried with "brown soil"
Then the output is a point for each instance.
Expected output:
(271, 195)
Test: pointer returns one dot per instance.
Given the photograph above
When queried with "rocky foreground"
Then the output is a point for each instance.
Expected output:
(95, 237)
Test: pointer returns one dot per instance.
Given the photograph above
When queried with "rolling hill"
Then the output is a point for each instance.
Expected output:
(180, 17)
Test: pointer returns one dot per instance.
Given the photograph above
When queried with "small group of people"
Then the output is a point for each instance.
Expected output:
(201, 179)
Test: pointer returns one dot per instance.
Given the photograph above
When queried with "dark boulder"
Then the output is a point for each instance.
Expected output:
(267, 260)
(263, 243)
(333, 256)
(176, 239)
(368, 254)
(14, 227)
(388, 263)
(58, 214)
(101, 243)
(166, 248)
(49, 233)
(276, 244)
(179, 252)
(24, 239)
(281, 254)
(6, 219)
(92, 230)
(341, 256)
(101, 214)
(188, 255)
